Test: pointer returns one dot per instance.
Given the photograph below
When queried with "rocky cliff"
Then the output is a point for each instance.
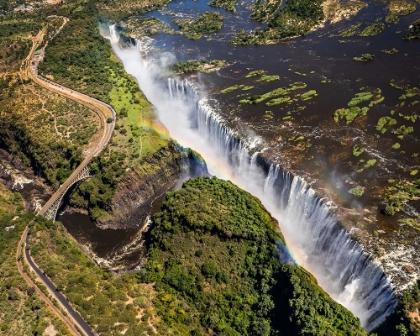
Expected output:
(139, 187)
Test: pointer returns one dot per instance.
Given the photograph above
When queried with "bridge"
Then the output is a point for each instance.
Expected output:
(51, 213)
(101, 109)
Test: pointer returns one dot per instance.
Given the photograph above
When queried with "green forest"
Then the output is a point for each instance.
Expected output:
(214, 263)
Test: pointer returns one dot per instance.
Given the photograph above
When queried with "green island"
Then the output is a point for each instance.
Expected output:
(194, 29)
(202, 65)
(228, 5)
(297, 18)
(146, 27)
(364, 58)
(414, 32)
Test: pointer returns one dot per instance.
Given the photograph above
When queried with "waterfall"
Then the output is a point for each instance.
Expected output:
(312, 232)
(113, 34)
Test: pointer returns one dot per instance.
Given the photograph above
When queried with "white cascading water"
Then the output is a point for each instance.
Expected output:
(313, 235)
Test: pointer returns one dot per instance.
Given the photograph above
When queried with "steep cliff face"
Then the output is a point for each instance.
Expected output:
(138, 188)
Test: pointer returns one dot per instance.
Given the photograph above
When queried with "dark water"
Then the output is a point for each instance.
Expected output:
(113, 249)
(326, 159)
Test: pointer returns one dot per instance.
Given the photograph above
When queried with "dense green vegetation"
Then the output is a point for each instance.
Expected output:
(214, 263)
(405, 320)
(207, 23)
(414, 32)
(229, 5)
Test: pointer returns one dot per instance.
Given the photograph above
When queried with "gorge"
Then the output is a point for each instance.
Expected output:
(315, 238)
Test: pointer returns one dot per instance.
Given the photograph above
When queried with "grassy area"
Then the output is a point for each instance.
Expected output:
(22, 312)
(47, 131)
(111, 304)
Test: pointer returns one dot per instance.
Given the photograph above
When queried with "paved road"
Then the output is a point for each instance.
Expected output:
(82, 324)
(103, 110)
(66, 319)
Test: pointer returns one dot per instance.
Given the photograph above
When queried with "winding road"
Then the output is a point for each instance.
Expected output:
(101, 109)
(105, 113)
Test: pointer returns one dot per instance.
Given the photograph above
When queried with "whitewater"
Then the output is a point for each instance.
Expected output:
(313, 234)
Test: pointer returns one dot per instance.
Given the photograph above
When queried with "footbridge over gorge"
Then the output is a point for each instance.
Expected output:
(105, 113)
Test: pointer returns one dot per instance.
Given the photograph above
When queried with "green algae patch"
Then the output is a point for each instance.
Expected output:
(349, 114)
(412, 222)
(357, 191)
(410, 93)
(403, 131)
(278, 101)
(377, 101)
(231, 88)
(354, 110)
(282, 91)
(267, 78)
(383, 122)
(360, 98)
(308, 95)
(364, 58)
(357, 150)
(370, 163)
(255, 73)
(246, 88)
(390, 51)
